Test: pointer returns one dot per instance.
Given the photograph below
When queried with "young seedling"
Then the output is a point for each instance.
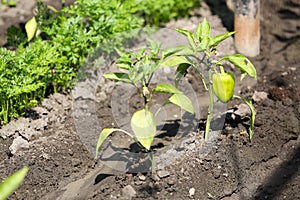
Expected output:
(199, 55)
(139, 69)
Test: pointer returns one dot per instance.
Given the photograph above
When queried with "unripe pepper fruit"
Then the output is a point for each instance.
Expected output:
(223, 85)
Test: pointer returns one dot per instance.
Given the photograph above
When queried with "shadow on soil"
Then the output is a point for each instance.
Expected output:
(225, 14)
(281, 176)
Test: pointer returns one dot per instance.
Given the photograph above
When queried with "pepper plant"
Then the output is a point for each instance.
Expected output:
(139, 69)
(200, 55)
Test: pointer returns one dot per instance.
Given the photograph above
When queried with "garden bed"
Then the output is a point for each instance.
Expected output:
(48, 138)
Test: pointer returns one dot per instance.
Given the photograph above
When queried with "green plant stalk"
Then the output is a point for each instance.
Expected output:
(251, 107)
(211, 105)
(152, 162)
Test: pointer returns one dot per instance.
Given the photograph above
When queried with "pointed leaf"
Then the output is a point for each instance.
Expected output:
(189, 36)
(31, 27)
(180, 72)
(243, 63)
(203, 33)
(118, 76)
(172, 50)
(143, 126)
(10, 184)
(182, 101)
(174, 61)
(166, 88)
(103, 135)
(215, 41)
(125, 66)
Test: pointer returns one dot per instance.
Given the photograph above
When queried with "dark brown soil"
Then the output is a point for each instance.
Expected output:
(62, 167)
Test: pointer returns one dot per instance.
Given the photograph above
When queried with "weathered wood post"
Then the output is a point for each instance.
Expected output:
(246, 25)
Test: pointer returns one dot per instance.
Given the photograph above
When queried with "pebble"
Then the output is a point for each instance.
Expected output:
(172, 180)
(128, 191)
(163, 174)
(259, 96)
(243, 110)
(17, 144)
(192, 192)
(142, 177)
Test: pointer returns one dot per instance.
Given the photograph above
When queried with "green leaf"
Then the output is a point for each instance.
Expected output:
(143, 126)
(174, 61)
(189, 36)
(124, 62)
(182, 101)
(180, 72)
(202, 33)
(166, 88)
(172, 50)
(126, 66)
(31, 27)
(12, 183)
(243, 63)
(215, 41)
(118, 76)
(103, 135)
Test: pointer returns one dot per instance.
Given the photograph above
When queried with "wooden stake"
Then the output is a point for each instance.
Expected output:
(246, 25)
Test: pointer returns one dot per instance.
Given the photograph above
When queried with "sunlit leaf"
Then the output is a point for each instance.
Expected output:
(118, 76)
(143, 126)
(172, 50)
(166, 88)
(189, 36)
(243, 63)
(12, 183)
(202, 33)
(215, 41)
(31, 27)
(182, 101)
(103, 135)
(174, 61)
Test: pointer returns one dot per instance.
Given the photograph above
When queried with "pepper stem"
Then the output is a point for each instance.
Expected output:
(211, 105)
(221, 69)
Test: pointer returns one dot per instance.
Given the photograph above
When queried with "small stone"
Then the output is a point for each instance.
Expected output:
(163, 174)
(18, 144)
(138, 182)
(128, 191)
(225, 174)
(172, 180)
(243, 110)
(227, 191)
(259, 96)
(45, 156)
(41, 110)
(142, 177)
(192, 192)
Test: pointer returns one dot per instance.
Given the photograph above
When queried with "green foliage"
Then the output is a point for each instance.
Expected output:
(198, 55)
(10, 3)
(143, 126)
(68, 36)
(15, 36)
(11, 183)
(162, 11)
(139, 68)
